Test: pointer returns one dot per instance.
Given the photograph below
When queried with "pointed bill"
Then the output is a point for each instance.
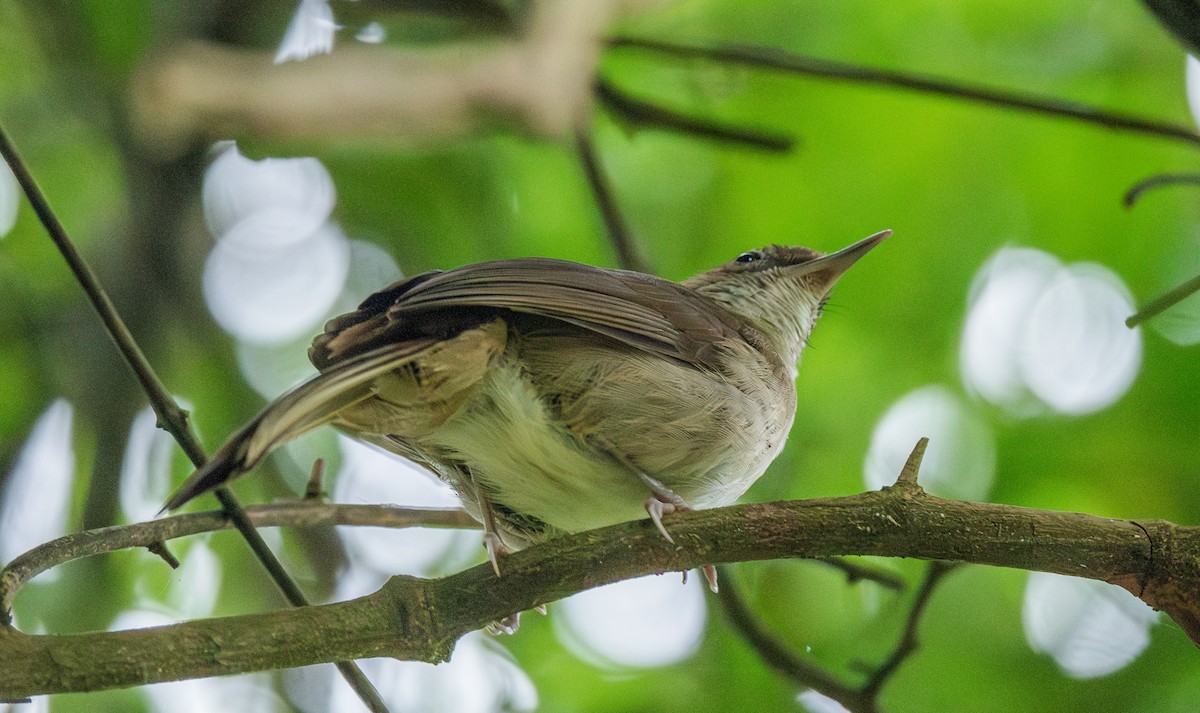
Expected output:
(828, 268)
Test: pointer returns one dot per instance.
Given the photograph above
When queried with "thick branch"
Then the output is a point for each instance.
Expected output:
(417, 619)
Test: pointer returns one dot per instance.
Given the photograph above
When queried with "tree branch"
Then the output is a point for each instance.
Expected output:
(417, 619)
(538, 83)
(171, 417)
(779, 60)
(153, 533)
(637, 113)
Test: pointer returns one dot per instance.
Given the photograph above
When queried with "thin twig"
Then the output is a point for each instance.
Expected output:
(1157, 181)
(907, 644)
(1163, 302)
(775, 59)
(640, 113)
(857, 572)
(171, 417)
(155, 532)
(775, 653)
(615, 226)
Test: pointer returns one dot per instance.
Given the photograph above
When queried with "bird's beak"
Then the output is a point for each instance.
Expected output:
(828, 268)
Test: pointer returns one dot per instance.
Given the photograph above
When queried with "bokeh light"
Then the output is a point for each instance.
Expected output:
(309, 33)
(146, 467)
(236, 187)
(1043, 336)
(9, 199)
(37, 497)
(266, 296)
(280, 263)
(371, 33)
(368, 475)
(1090, 628)
(637, 623)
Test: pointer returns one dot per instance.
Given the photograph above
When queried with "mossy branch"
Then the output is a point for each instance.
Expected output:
(418, 619)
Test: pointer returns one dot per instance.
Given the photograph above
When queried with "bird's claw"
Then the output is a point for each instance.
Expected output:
(657, 508)
(507, 625)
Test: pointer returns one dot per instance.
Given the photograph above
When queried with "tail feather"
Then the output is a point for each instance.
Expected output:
(225, 465)
(311, 404)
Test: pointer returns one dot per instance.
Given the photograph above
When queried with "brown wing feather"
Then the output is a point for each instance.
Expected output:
(643, 311)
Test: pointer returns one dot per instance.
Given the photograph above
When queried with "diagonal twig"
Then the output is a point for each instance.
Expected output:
(1164, 302)
(171, 417)
(779, 60)
(640, 113)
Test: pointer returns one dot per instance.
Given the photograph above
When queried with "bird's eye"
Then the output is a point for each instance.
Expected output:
(747, 257)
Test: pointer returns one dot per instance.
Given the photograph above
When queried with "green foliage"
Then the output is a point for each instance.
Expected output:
(955, 180)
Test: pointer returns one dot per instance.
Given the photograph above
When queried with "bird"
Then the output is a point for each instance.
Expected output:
(555, 397)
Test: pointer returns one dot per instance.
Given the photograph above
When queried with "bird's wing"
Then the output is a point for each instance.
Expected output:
(311, 404)
(642, 311)
(398, 322)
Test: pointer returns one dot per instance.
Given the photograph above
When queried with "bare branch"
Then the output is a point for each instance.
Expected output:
(417, 619)
(171, 417)
(857, 572)
(777, 655)
(639, 113)
(907, 643)
(538, 83)
(154, 533)
(779, 60)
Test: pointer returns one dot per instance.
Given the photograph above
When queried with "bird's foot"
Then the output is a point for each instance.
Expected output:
(710, 576)
(508, 625)
(657, 508)
(662, 500)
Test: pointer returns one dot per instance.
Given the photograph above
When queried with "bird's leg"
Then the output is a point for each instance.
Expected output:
(491, 536)
(492, 542)
(663, 500)
(495, 547)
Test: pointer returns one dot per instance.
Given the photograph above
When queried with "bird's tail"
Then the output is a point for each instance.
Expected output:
(311, 404)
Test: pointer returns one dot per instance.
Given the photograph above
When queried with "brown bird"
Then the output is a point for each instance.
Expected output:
(555, 397)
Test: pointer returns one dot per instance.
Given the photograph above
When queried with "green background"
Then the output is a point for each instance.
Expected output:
(956, 181)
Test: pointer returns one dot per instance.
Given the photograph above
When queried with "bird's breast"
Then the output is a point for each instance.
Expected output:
(567, 420)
